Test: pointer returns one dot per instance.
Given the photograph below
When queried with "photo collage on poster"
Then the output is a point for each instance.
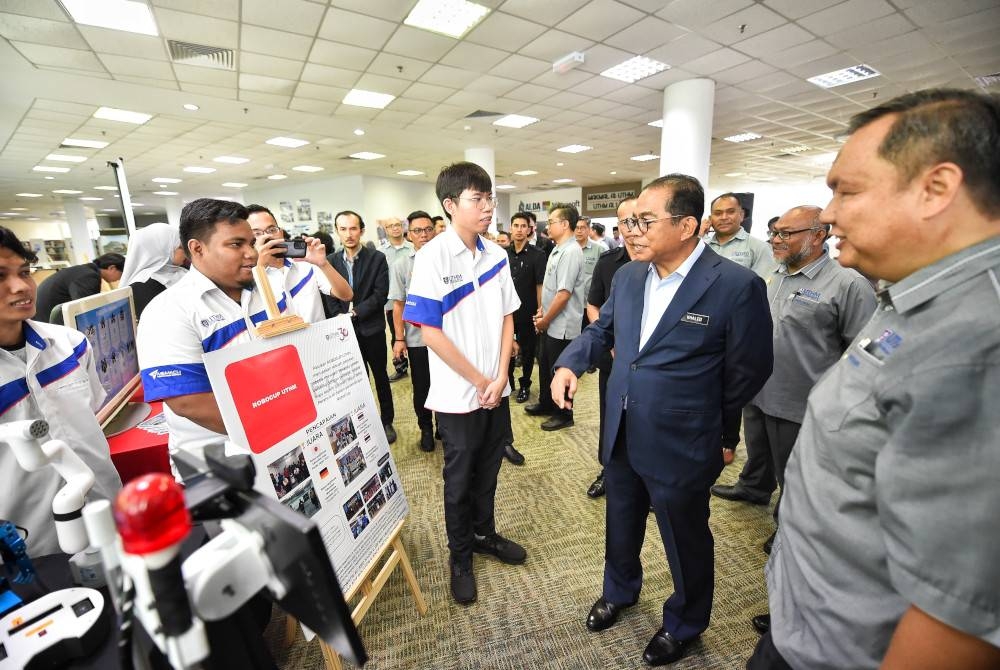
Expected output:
(108, 329)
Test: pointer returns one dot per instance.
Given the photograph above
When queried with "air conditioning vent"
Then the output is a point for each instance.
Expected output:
(482, 114)
(202, 55)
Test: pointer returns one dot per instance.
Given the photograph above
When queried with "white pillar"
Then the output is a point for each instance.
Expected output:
(485, 158)
(686, 139)
(76, 217)
(174, 207)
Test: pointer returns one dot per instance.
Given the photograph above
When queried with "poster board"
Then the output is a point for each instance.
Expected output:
(603, 200)
(302, 404)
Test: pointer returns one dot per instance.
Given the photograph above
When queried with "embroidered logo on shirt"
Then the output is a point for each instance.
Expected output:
(452, 279)
(212, 319)
(697, 319)
(157, 374)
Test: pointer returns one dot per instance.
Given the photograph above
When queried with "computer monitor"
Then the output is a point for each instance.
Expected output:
(108, 322)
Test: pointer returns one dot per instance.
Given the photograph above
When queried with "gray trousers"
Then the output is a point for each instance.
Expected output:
(769, 443)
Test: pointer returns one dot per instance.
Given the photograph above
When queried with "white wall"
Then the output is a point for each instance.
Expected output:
(515, 202)
(332, 194)
(385, 198)
(774, 199)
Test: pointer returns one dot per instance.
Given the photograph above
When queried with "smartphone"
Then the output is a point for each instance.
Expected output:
(294, 248)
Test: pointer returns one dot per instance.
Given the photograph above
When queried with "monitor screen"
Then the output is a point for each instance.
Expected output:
(108, 322)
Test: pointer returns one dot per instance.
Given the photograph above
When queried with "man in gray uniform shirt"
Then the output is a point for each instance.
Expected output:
(887, 553)
(731, 241)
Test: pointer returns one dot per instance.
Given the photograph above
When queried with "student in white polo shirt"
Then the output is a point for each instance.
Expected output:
(211, 307)
(462, 296)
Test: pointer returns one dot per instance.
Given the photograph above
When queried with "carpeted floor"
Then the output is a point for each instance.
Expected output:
(532, 616)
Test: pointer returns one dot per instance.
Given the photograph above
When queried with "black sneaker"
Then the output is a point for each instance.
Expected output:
(463, 582)
(426, 439)
(513, 455)
(499, 547)
(390, 433)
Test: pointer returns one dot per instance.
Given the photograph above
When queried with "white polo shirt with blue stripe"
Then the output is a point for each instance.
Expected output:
(56, 380)
(191, 318)
(304, 284)
(466, 295)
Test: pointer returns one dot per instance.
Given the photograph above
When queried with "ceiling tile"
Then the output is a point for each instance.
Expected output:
(504, 31)
(220, 9)
(340, 25)
(341, 55)
(696, 13)
(137, 67)
(208, 89)
(262, 84)
(415, 106)
(566, 80)
(294, 16)
(312, 106)
(269, 99)
(382, 84)
(744, 24)
(104, 40)
(393, 10)
(429, 92)
(492, 85)
(793, 9)
(599, 19)
(40, 31)
(329, 76)
(400, 67)
(886, 27)
(319, 92)
(645, 34)
(198, 29)
(444, 75)
(600, 57)
(598, 86)
(75, 59)
(554, 45)
(683, 49)
(549, 13)
(276, 43)
(722, 59)
(272, 66)
(193, 74)
(532, 93)
(803, 53)
(521, 68)
(474, 57)
(846, 14)
(416, 43)
(42, 10)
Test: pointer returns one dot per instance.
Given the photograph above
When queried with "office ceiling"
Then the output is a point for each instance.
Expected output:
(295, 60)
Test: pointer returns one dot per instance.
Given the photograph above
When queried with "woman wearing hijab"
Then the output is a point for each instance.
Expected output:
(155, 260)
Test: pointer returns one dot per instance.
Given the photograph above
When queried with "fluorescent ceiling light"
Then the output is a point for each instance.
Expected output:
(526, 173)
(613, 172)
(123, 115)
(231, 160)
(561, 181)
(642, 158)
(360, 98)
(359, 132)
(742, 137)
(199, 170)
(635, 69)
(127, 15)
(164, 192)
(367, 155)
(50, 177)
(87, 144)
(560, 164)
(288, 142)
(453, 18)
(735, 174)
(504, 187)
(107, 188)
(515, 121)
(138, 204)
(410, 173)
(109, 209)
(574, 148)
(91, 198)
(848, 75)
(65, 158)
(277, 177)
(234, 184)
(307, 168)
(67, 191)
(160, 180)
(797, 149)
(191, 107)
(656, 124)
(32, 218)
(47, 168)
(22, 209)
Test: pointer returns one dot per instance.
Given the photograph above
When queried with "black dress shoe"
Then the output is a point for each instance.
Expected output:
(761, 623)
(538, 409)
(603, 614)
(768, 543)
(390, 433)
(513, 455)
(397, 375)
(426, 439)
(557, 422)
(596, 489)
(522, 394)
(739, 494)
(664, 648)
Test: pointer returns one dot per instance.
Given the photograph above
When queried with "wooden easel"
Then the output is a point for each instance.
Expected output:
(390, 556)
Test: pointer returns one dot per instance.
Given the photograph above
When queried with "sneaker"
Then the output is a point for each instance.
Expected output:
(499, 547)
(390, 433)
(426, 439)
(463, 582)
(513, 455)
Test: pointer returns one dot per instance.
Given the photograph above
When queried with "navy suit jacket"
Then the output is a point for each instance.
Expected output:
(685, 389)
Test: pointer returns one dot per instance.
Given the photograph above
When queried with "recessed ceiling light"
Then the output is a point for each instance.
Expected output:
(373, 99)
(635, 69)
(515, 121)
(199, 170)
(90, 198)
(561, 181)
(67, 191)
(123, 115)
(234, 184)
(359, 132)
(87, 144)
(109, 209)
(642, 158)
(735, 174)
(526, 173)
(138, 204)
(466, 128)
(32, 218)
(20, 209)
(157, 180)
(65, 158)
(48, 177)
(191, 107)
(613, 172)
(574, 148)
(127, 15)
(559, 164)
(367, 155)
(288, 142)
(307, 168)
(453, 18)
(505, 187)
(411, 173)
(742, 137)
(110, 188)
(231, 160)
(29, 195)
(47, 168)
(848, 75)
(277, 177)
(656, 124)
(164, 192)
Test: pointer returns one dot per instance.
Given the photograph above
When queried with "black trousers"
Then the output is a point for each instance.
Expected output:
(373, 352)
(420, 375)
(548, 351)
(766, 656)
(527, 340)
(473, 449)
(603, 373)
(769, 446)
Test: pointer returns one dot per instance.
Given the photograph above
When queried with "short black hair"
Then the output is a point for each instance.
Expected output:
(326, 239)
(459, 176)
(198, 218)
(437, 218)
(727, 194)
(521, 215)
(111, 260)
(502, 232)
(531, 215)
(687, 197)
(773, 220)
(255, 209)
(598, 228)
(349, 212)
(566, 211)
(419, 214)
(9, 241)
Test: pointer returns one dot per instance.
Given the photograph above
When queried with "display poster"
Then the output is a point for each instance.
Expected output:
(301, 403)
(286, 212)
(305, 209)
(603, 200)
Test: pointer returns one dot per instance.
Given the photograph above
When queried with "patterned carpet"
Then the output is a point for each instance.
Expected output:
(532, 616)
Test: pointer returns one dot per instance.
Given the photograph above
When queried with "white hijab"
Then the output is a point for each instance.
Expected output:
(149, 256)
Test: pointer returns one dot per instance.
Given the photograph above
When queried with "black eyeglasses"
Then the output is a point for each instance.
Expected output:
(422, 231)
(642, 225)
(481, 203)
(784, 235)
(273, 230)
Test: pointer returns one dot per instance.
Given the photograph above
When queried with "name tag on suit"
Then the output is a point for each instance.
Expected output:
(696, 319)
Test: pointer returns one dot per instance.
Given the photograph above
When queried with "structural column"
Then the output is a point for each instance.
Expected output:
(686, 139)
(174, 207)
(76, 217)
(485, 158)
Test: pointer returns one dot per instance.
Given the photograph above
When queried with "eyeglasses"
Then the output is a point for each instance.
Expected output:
(784, 235)
(481, 202)
(273, 230)
(422, 231)
(552, 221)
(642, 225)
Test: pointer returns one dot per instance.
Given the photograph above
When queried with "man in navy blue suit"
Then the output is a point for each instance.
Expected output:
(691, 335)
